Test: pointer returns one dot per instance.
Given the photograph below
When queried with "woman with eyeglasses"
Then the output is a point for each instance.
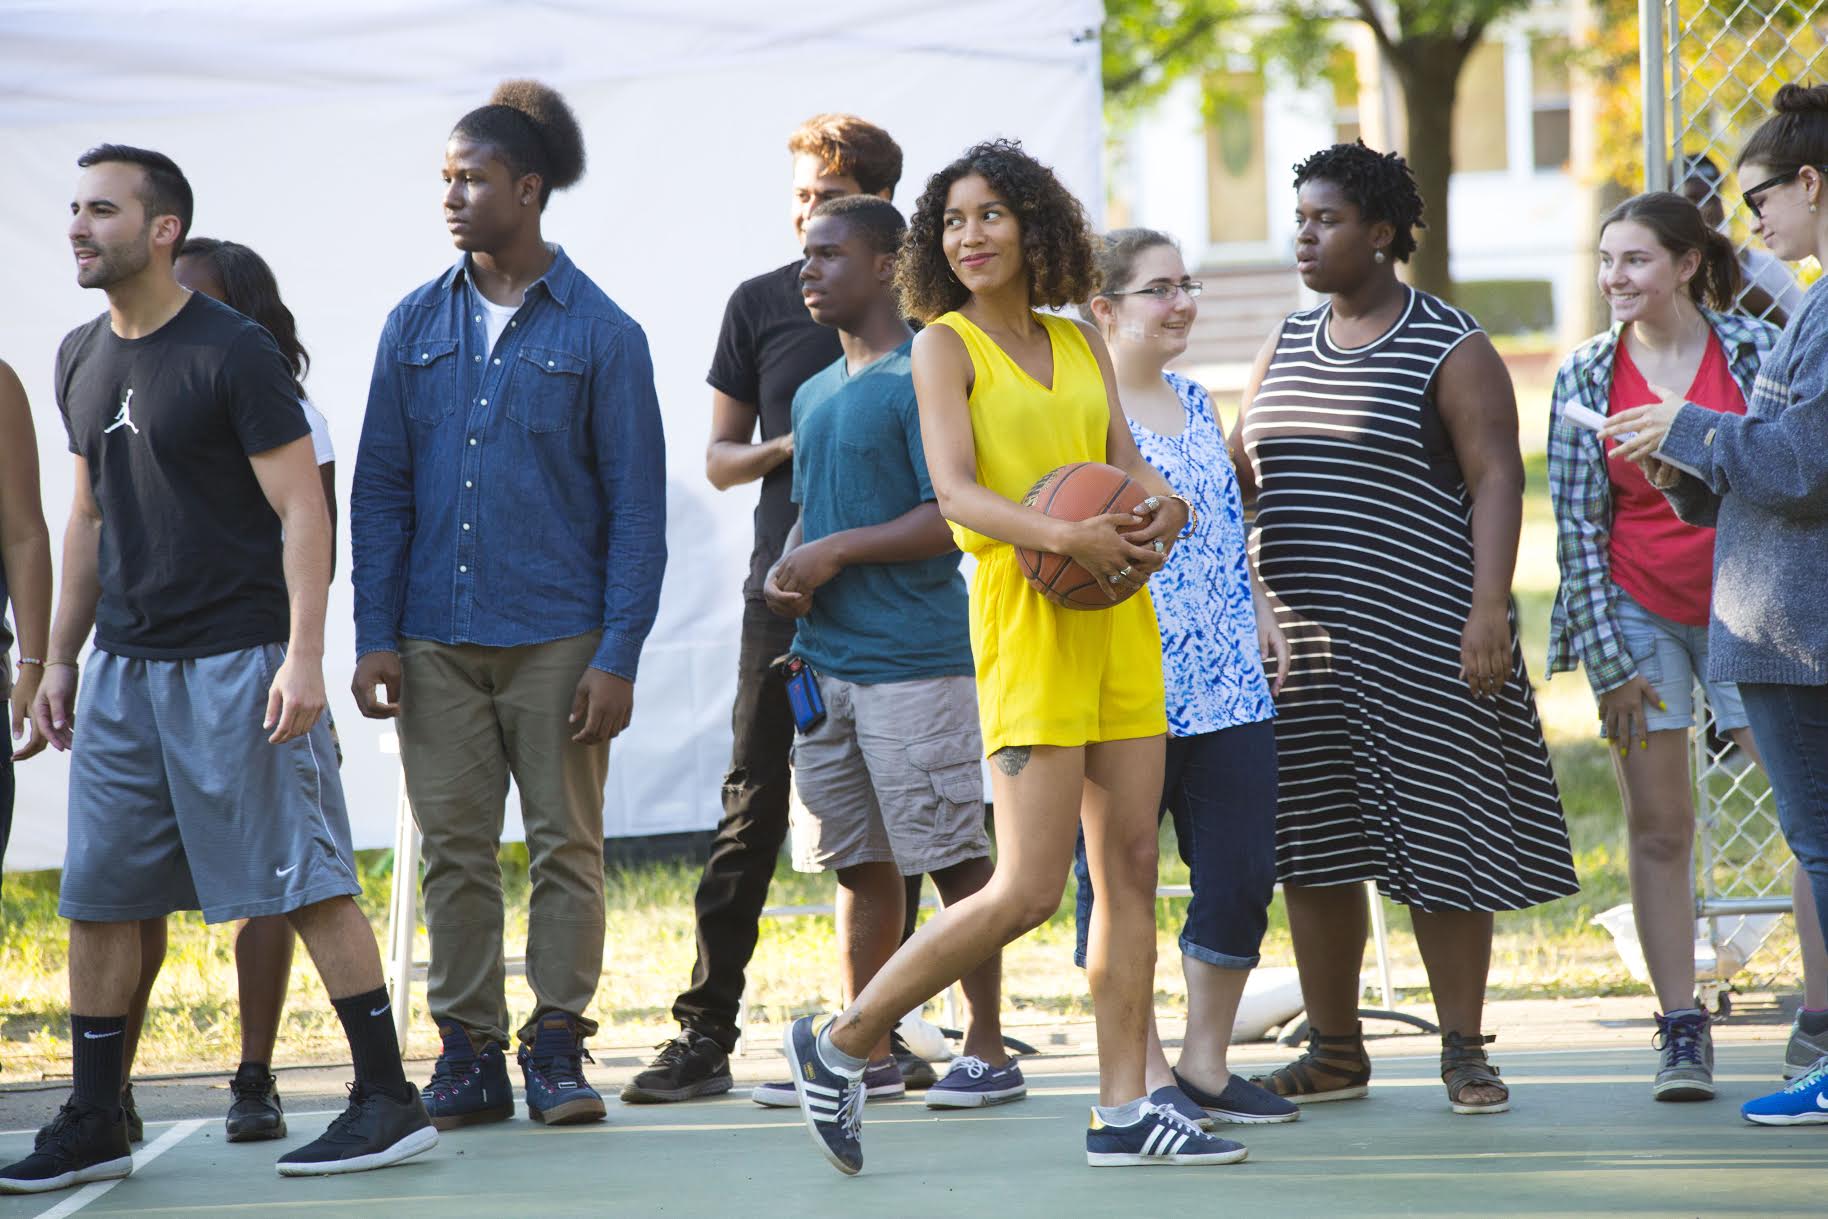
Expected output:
(1761, 479)
(1217, 629)
(1380, 432)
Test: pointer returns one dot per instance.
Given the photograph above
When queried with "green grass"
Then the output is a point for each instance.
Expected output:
(1544, 952)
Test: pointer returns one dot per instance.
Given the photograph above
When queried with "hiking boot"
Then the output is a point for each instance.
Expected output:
(374, 1131)
(689, 1065)
(136, 1129)
(469, 1086)
(82, 1144)
(255, 1114)
(557, 1093)
(916, 1072)
(1687, 1069)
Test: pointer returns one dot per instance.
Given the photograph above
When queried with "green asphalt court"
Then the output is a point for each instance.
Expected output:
(1583, 1138)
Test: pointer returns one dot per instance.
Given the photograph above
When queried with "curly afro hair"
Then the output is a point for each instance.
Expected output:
(1057, 241)
(533, 129)
(1379, 184)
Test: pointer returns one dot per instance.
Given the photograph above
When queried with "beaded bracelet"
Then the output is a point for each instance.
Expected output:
(30, 660)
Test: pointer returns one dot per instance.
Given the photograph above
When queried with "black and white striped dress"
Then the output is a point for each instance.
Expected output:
(1390, 769)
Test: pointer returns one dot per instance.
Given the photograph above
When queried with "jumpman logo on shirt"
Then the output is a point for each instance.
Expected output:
(125, 418)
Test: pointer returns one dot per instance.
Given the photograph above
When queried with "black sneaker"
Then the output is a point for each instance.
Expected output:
(136, 1129)
(832, 1104)
(255, 1114)
(374, 1131)
(82, 1144)
(916, 1072)
(689, 1065)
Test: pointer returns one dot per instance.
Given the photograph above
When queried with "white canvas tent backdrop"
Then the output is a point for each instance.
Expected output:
(314, 133)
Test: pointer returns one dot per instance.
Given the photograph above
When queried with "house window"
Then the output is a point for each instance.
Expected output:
(1549, 102)
(1237, 181)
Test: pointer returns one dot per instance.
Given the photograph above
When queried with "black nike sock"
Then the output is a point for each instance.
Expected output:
(369, 1024)
(99, 1062)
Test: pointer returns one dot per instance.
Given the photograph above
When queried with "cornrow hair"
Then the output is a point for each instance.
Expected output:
(1379, 184)
(533, 129)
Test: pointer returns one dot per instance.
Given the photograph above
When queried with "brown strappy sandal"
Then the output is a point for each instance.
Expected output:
(1333, 1068)
(1464, 1065)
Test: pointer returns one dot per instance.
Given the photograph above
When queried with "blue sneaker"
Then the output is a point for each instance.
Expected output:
(1241, 1101)
(1801, 1103)
(554, 1069)
(832, 1104)
(972, 1083)
(1169, 1096)
(469, 1086)
(1158, 1136)
(881, 1081)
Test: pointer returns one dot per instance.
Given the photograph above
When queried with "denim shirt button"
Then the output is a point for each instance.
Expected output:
(472, 440)
(461, 568)
(485, 402)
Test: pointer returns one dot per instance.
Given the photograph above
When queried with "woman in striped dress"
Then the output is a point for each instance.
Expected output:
(1381, 433)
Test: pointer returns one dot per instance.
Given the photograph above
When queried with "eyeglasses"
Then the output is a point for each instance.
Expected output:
(1751, 196)
(1164, 292)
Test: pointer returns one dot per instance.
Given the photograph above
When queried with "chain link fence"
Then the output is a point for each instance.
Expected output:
(1710, 71)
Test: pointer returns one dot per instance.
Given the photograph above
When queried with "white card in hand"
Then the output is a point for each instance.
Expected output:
(1588, 418)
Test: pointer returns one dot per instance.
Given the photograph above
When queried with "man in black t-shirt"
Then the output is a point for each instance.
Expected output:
(767, 347)
(203, 776)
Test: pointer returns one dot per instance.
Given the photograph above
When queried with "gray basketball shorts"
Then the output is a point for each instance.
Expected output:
(177, 801)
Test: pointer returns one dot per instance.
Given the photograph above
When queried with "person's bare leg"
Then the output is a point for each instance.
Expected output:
(1156, 1071)
(152, 955)
(870, 897)
(1329, 925)
(104, 967)
(1037, 793)
(1802, 909)
(1213, 995)
(342, 945)
(1457, 952)
(1123, 783)
(983, 986)
(1660, 829)
(263, 966)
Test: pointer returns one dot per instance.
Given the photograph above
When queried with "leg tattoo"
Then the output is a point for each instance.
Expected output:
(1012, 758)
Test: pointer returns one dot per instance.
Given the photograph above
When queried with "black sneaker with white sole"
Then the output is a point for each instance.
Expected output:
(136, 1129)
(689, 1065)
(916, 1072)
(374, 1131)
(255, 1114)
(831, 1103)
(83, 1143)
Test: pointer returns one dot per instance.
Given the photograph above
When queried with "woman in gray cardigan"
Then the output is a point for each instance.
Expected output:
(1762, 480)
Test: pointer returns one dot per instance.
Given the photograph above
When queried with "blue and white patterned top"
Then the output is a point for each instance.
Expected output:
(1213, 672)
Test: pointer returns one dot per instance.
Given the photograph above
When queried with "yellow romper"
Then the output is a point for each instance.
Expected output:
(1046, 675)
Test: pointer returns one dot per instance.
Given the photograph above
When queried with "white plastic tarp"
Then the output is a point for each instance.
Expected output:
(314, 133)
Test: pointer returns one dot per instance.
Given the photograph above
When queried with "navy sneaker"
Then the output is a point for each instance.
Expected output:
(136, 1129)
(1241, 1101)
(1171, 1097)
(972, 1083)
(82, 1144)
(255, 1114)
(557, 1093)
(1803, 1102)
(832, 1104)
(1158, 1136)
(689, 1065)
(469, 1086)
(374, 1131)
(881, 1081)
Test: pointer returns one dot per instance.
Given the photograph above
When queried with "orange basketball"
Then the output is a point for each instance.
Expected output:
(1078, 492)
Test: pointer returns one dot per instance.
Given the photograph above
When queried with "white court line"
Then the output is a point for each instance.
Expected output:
(89, 1193)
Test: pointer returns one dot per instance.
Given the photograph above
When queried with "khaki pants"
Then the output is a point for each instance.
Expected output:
(470, 717)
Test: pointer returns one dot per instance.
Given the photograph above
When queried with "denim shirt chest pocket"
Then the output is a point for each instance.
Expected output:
(548, 387)
(429, 375)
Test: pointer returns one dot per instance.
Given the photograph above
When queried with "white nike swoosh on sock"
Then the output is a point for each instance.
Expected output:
(88, 1036)
(377, 1011)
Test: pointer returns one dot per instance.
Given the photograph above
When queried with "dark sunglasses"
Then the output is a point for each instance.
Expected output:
(1752, 196)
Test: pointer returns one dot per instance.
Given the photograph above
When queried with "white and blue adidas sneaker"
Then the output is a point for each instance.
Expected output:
(1159, 1135)
(831, 1102)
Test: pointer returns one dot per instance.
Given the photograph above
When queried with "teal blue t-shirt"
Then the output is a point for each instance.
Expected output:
(857, 461)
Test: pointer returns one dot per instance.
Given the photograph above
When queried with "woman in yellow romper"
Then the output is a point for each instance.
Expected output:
(1071, 701)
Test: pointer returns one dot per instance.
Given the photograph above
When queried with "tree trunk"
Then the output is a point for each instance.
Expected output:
(1429, 69)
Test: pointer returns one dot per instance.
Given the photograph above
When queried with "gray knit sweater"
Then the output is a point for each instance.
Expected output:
(1764, 486)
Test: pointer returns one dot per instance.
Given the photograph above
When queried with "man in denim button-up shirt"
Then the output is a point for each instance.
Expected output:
(507, 522)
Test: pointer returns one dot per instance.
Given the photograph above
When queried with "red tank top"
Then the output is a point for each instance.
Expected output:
(1666, 566)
